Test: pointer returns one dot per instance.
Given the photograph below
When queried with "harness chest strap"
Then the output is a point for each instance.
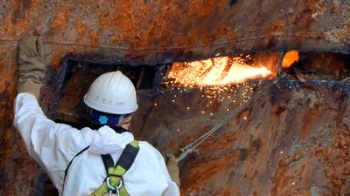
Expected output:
(114, 179)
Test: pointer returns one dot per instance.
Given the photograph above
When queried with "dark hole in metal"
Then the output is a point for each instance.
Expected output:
(141, 76)
(321, 66)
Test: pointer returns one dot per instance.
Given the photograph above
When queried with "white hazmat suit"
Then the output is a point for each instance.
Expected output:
(54, 145)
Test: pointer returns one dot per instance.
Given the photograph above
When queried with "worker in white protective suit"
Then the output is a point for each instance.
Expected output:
(75, 160)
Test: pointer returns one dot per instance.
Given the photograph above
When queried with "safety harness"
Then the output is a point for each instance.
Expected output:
(114, 182)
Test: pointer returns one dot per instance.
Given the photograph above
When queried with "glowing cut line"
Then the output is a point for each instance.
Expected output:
(216, 71)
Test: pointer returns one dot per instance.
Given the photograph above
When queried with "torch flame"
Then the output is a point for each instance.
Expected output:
(215, 71)
(290, 58)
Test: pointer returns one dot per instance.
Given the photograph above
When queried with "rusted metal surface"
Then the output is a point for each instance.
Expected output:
(16, 166)
(155, 31)
(293, 141)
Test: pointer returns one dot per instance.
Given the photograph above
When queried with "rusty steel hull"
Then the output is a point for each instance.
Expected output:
(293, 140)
(155, 32)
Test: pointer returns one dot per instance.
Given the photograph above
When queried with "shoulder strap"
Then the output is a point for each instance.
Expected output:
(114, 180)
(107, 161)
(69, 164)
(128, 155)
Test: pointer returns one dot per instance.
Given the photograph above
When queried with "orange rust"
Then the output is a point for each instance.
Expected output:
(60, 21)
(345, 141)
(23, 16)
(81, 30)
(325, 153)
(230, 137)
(205, 172)
(223, 30)
(301, 171)
(205, 39)
(279, 180)
(227, 191)
(221, 4)
(336, 181)
(93, 35)
(233, 155)
(221, 144)
(310, 117)
(277, 27)
(57, 57)
(336, 143)
(125, 22)
(105, 20)
(337, 169)
(8, 28)
(346, 169)
(201, 8)
(255, 174)
(304, 175)
(37, 2)
(316, 6)
(171, 29)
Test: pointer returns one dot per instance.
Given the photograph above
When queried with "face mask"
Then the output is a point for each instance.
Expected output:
(102, 118)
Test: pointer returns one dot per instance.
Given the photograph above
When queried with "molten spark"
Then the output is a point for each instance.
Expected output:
(215, 71)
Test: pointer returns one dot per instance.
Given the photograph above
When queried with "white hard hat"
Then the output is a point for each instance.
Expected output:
(112, 93)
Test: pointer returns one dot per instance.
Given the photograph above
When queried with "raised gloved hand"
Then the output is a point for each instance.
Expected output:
(31, 65)
(173, 169)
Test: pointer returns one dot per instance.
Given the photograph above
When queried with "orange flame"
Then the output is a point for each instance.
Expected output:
(290, 58)
(215, 71)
